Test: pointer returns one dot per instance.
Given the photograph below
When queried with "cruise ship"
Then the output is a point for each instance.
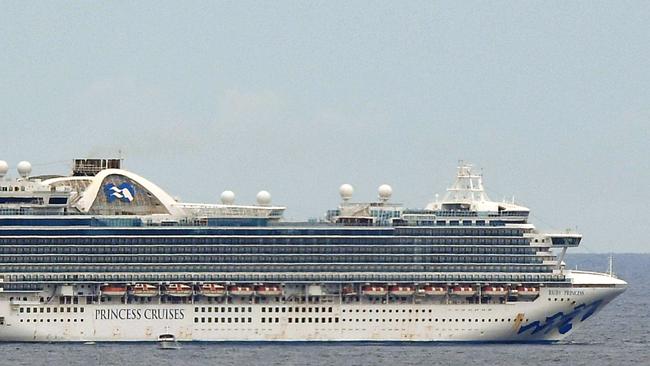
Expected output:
(106, 255)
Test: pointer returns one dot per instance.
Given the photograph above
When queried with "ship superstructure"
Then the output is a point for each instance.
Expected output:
(106, 255)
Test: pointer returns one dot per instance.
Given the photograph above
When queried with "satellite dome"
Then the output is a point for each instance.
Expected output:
(24, 168)
(227, 197)
(384, 191)
(4, 168)
(346, 191)
(263, 198)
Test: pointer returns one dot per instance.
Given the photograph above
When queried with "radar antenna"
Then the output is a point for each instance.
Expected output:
(468, 187)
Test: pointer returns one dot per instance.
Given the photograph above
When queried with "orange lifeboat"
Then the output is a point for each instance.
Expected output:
(178, 290)
(463, 291)
(268, 290)
(435, 290)
(144, 290)
(402, 290)
(113, 290)
(241, 290)
(494, 291)
(348, 291)
(212, 290)
(527, 291)
(373, 290)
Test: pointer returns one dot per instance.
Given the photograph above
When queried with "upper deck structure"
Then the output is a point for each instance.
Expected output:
(109, 239)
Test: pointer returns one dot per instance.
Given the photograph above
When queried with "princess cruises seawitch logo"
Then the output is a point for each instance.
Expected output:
(561, 321)
(124, 192)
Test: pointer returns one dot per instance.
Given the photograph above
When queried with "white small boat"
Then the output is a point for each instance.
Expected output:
(178, 290)
(402, 290)
(527, 291)
(113, 290)
(212, 290)
(268, 290)
(168, 341)
(494, 291)
(463, 291)
(144, 290)
(435, 290)
(371, 290)
(241, 291)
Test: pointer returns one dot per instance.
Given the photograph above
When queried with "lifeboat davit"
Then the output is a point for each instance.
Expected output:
(113, 290)
(268, 290)
(241, 290)
(463, 291)
(435, 290)
(373, 290)
(212, 290)
(144, 290)
(402, 290)
(348, 291)
(178, 290)
(494, 291)
(527, 291)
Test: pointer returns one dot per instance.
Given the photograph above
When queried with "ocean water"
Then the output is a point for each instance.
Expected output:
(618, 335)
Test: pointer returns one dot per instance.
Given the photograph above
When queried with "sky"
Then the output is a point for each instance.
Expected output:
(549, 99)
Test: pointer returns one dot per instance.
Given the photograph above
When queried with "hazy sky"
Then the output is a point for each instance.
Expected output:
(551, 99)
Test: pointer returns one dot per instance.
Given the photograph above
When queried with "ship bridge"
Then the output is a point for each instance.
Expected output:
(467, 193)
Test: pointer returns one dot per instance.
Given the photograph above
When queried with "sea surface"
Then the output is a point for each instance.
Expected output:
(618, 335)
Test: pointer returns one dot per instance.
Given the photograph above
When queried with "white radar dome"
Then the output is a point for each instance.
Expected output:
(24, 168)
(263, 198)
(4, 168)
(346, 191)
(384, 191)
(227, 197)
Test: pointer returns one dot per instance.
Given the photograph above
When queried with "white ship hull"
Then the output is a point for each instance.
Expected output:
(555, 314)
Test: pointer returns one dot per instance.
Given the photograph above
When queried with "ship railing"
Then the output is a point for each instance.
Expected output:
(309, 277)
